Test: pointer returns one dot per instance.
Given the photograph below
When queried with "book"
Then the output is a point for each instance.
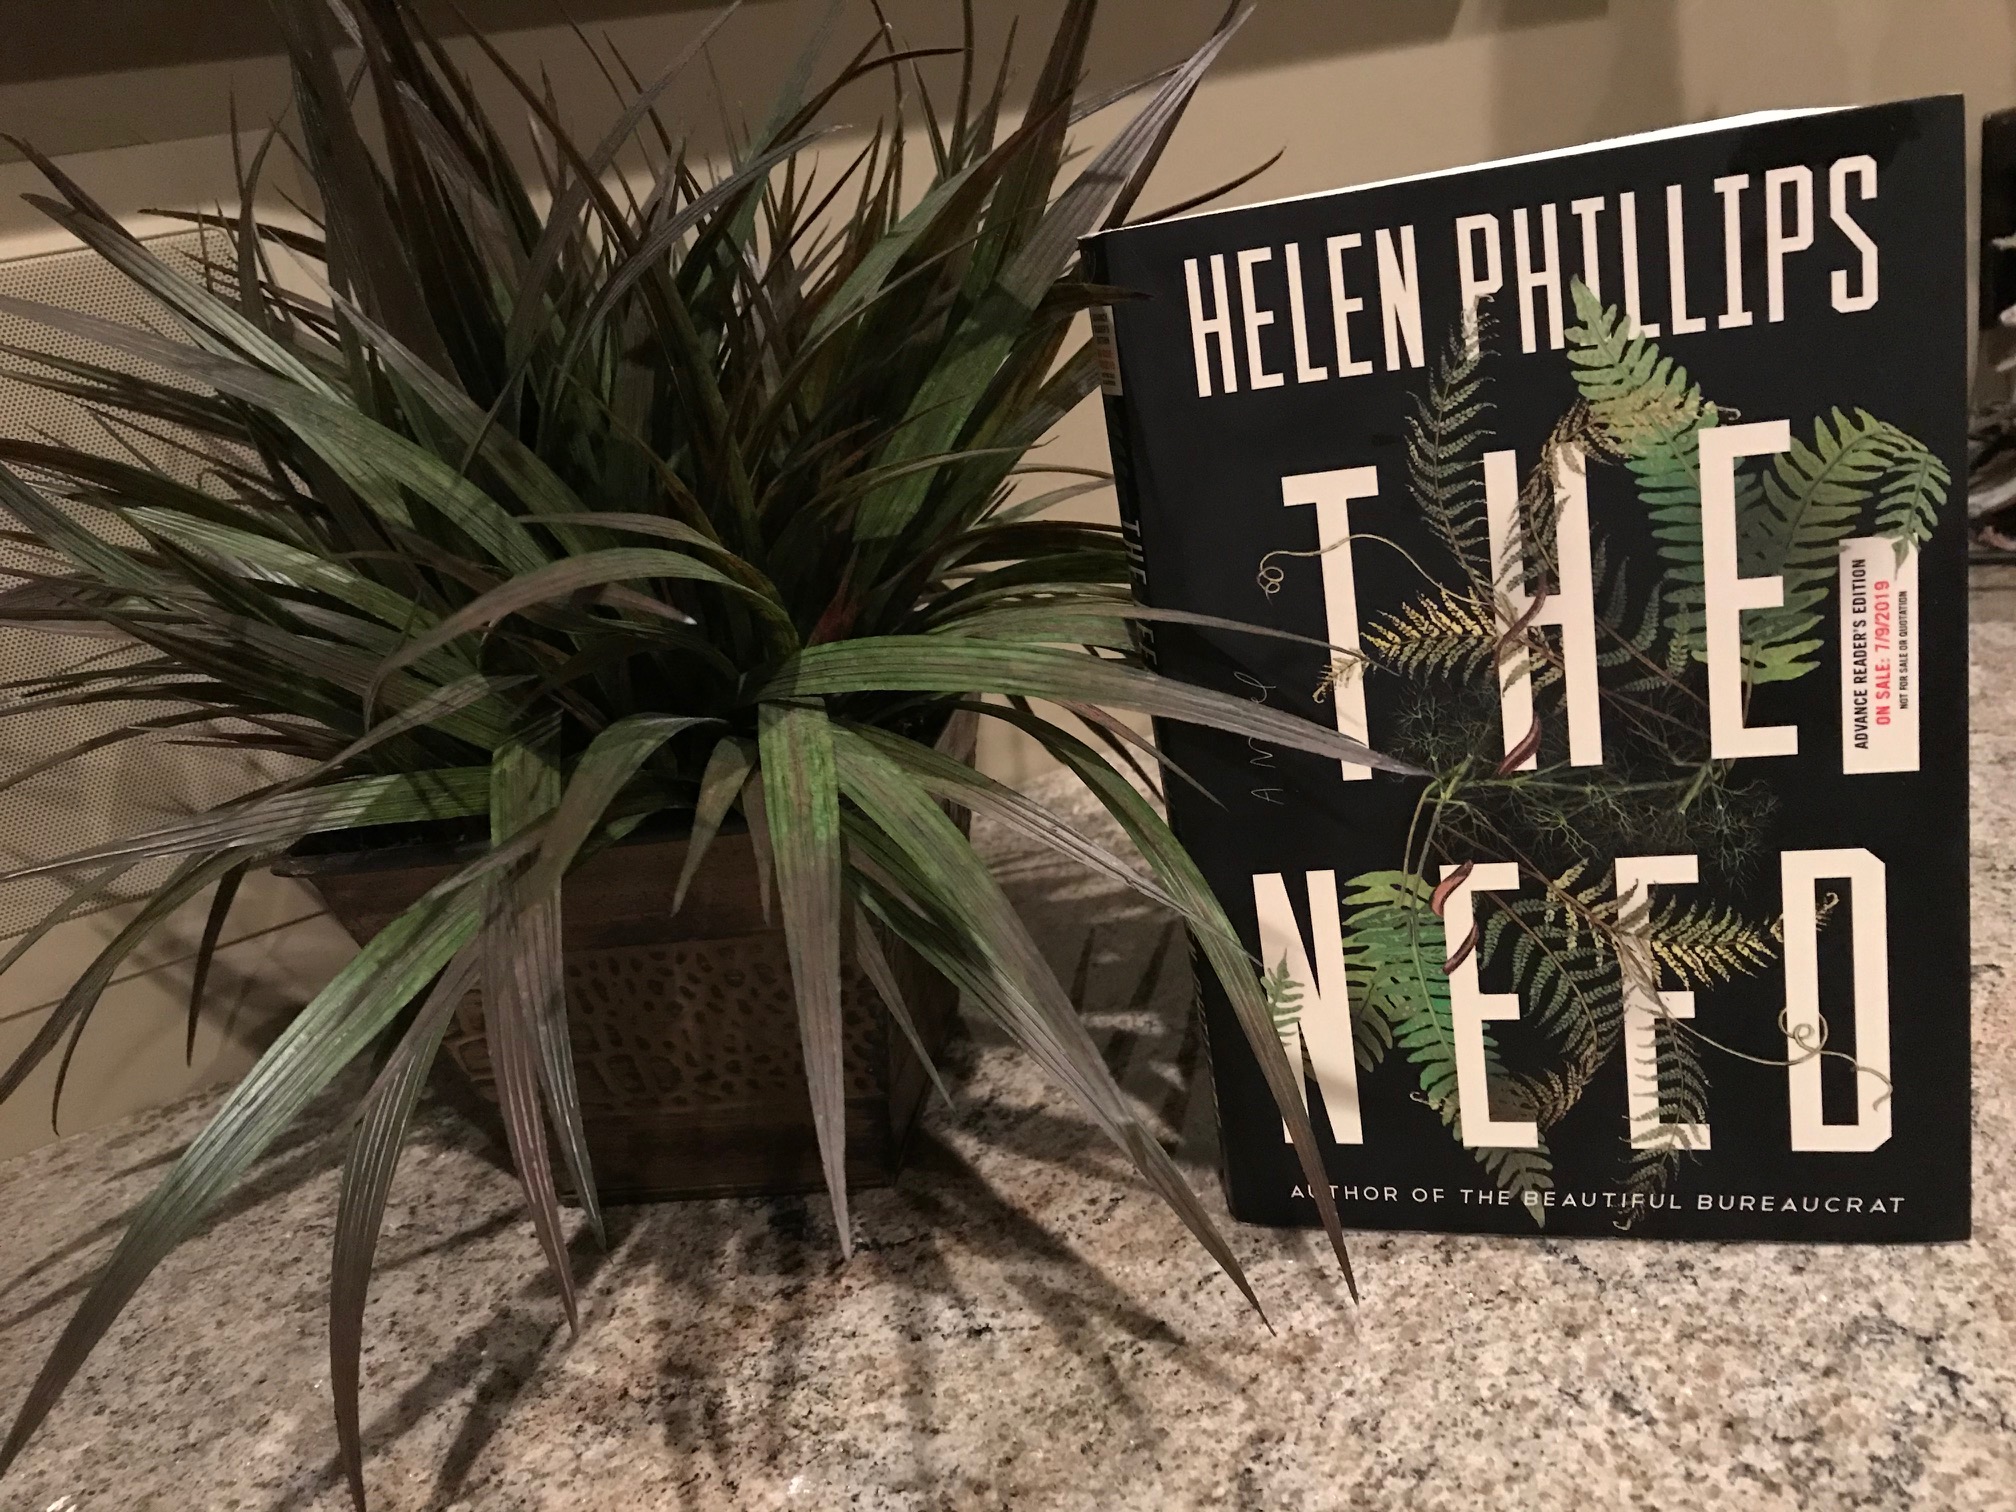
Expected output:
(1620, 491)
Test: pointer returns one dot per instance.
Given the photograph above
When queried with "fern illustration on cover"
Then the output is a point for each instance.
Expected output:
(1615, 490)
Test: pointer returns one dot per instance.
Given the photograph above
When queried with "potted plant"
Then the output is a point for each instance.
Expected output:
(581, 529)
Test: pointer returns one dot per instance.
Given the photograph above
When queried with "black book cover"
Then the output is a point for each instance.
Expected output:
(1622, 492)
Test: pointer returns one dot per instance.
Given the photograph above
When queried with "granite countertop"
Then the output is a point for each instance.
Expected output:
(1025, 1326)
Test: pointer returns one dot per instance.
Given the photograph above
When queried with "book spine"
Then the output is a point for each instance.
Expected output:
(1126, 482)
(1120, 445)
(1127, 491)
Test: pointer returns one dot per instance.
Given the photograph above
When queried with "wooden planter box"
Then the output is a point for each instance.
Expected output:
(684, 1029)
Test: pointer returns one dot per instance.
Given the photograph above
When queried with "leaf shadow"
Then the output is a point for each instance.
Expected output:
(493, 1362)
(968, 1269)
(303, 1152)
(944, 1216)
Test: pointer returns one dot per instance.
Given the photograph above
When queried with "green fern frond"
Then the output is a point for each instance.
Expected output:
(1813, 498)
(1639, 399)
(1394, 949)
(1284, 998)
(1791, 520)
(1371, 1038)
(1563, 963)
(1521, 1172)
(1649, 414)
(1371, 1033)
(1914, 490)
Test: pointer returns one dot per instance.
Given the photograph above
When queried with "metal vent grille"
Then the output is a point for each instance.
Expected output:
(109, 792)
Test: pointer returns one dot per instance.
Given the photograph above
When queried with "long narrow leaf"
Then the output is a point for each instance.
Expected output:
(380, 464)
(1235, 970)
(726, 773)
(951, 665)
(801, 802)
(54, 528)
(874, 962)
(940, 412)
(562, 579)
(957, 782)
(650, 252)
(364, 249)
(221, 329)
(206, 951)
(402, 798)
(1122, 160)
(1052, 621)
(611, 760)
(529, 307)
(278, 561)
(75, 1006)
(344, 1018)
(1009, 976)
(360, 1203)
(86, 895)
(525, 1004)
(755, 812)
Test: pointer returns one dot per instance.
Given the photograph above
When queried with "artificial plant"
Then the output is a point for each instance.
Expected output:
(626, 487)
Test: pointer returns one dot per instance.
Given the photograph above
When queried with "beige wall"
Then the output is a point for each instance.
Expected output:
(1353, 89)
(132, 1053)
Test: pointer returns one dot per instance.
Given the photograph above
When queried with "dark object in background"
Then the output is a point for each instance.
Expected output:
(1998, 216)
(1991, 433)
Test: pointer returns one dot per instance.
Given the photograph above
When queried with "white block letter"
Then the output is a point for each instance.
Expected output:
(1862, 169)
(1257, 375)
(1343, 305)
(1476, 283)
(1571, 605)
(1676, 264)
(1219, 325)
(1731, 189)
(1325, 1023)
(1729, 595)
(1400, 298)
(1586, 211)
(1645, 1004)
(1298, 318)
(1470, 1010)
(1803, 1025)
(1781, 241)
(1545, 279)
(1332, 493)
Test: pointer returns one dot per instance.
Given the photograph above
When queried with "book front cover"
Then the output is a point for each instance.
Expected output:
(1622, 493)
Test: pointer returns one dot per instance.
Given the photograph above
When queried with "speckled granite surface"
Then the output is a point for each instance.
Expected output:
(1025, 1328)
